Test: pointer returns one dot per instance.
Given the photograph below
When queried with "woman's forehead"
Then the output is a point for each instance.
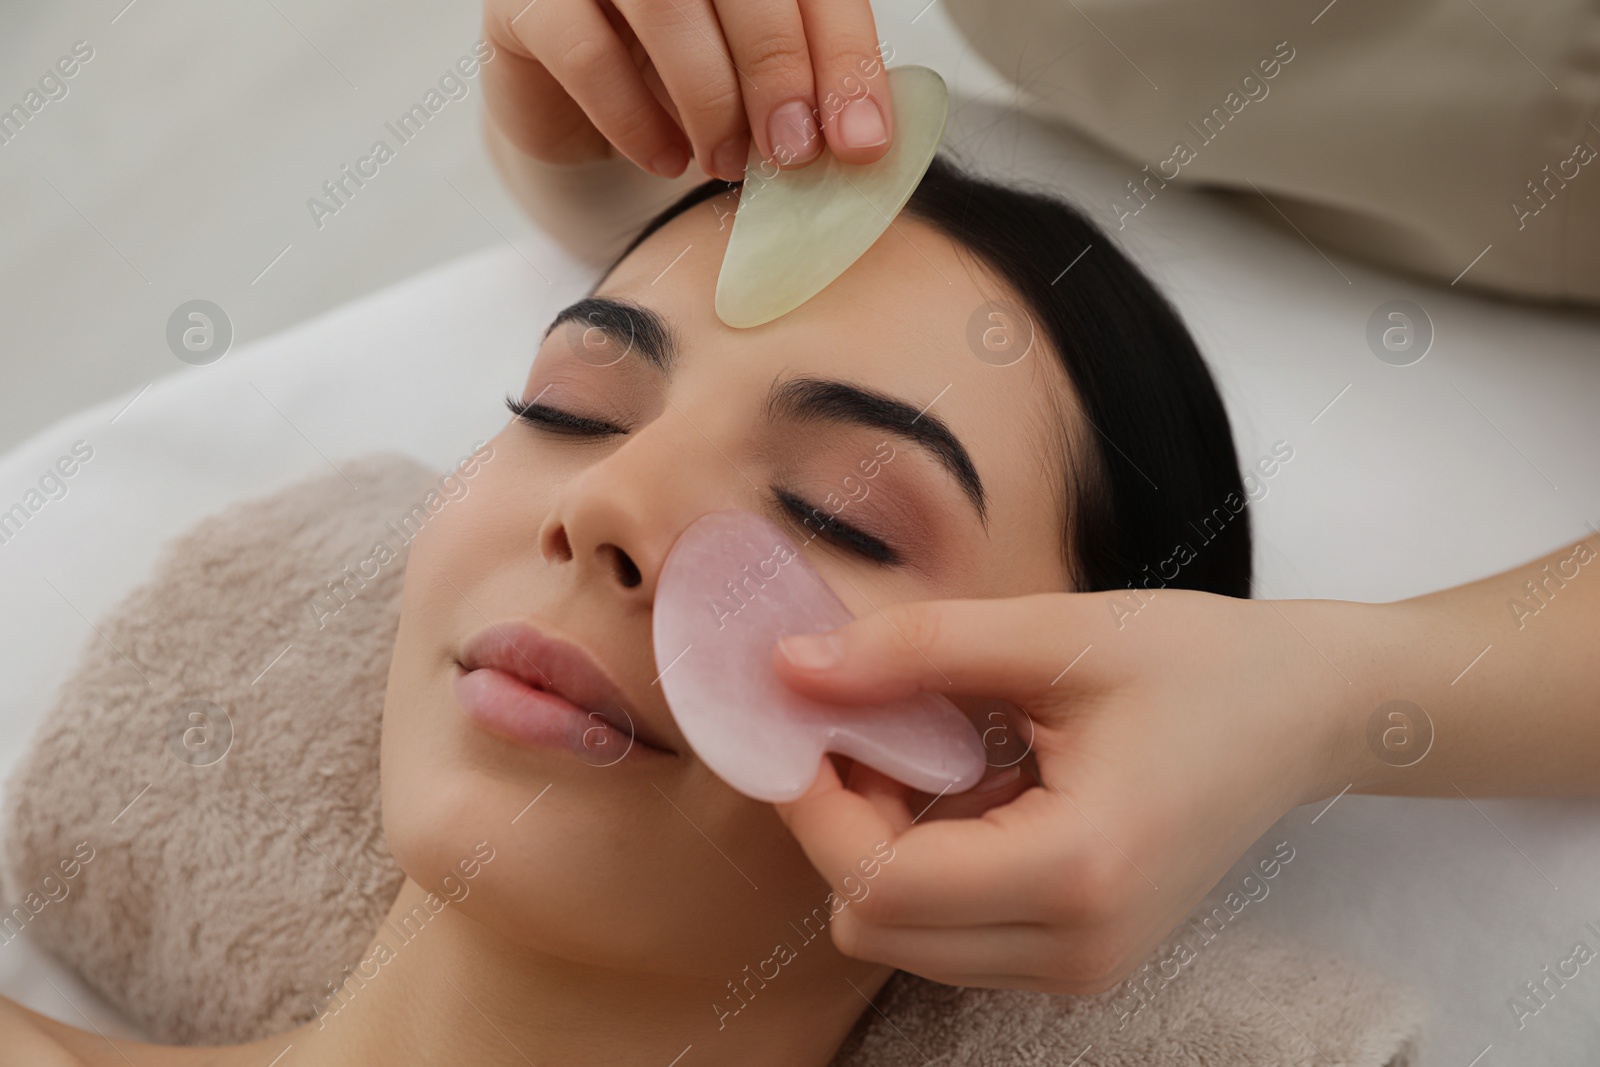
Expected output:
(916, 307)
(916, 317)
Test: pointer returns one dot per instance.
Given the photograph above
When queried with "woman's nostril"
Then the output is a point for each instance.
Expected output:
(560, 547)
(626, 570)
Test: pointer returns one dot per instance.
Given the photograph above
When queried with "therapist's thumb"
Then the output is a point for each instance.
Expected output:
(1004, 648)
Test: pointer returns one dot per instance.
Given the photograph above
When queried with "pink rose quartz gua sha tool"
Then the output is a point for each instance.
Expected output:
(730, 586)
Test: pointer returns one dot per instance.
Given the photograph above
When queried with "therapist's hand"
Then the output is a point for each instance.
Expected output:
(577, 81)
(1180, 734)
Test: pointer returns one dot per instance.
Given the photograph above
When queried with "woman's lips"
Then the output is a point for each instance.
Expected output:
(537, 689)
(510, 708)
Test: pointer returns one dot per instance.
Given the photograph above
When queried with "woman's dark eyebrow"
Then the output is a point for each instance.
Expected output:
(831, 400)
(634, 326)
(821, 399)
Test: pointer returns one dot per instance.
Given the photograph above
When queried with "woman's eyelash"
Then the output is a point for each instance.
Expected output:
(819, 523)
(555, 420)
(816, 521)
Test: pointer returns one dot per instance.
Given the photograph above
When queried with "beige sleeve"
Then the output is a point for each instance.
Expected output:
(1452, 138)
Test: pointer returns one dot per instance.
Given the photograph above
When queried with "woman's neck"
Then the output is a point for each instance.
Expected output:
(448, 989)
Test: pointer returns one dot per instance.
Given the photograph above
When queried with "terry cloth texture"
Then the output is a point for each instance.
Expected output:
(218, 751)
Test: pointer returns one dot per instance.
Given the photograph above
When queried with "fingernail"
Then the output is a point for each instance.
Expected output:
(670, 164)
(729, 159)
(861, 124)
(812, 652)
(792, 129)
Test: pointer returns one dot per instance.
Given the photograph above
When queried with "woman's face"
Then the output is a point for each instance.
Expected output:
(871, 395)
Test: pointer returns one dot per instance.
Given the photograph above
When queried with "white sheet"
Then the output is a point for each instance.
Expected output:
(1403, 480)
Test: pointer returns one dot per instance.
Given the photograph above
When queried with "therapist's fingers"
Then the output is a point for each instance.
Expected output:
(1000, 956)
(559, 59)
(528, 104)
(892, 799)
(962, 872)
(690, 55)
(773, 60)
(903, 805)
(840, 830)
(852, 87)
(1014, 649)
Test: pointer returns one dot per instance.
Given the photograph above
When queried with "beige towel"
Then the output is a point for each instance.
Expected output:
(221, 887)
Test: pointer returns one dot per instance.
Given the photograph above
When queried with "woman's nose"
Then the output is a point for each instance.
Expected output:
(615, 521)
(611, 559)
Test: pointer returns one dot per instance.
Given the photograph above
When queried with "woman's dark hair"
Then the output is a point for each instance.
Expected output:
(1158, 501)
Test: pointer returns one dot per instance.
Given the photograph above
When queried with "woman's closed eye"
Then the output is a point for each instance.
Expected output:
(554, 420)
(815, 521)
(818, 522)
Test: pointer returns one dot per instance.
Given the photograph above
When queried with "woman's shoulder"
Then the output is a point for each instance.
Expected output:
(37, 1040)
